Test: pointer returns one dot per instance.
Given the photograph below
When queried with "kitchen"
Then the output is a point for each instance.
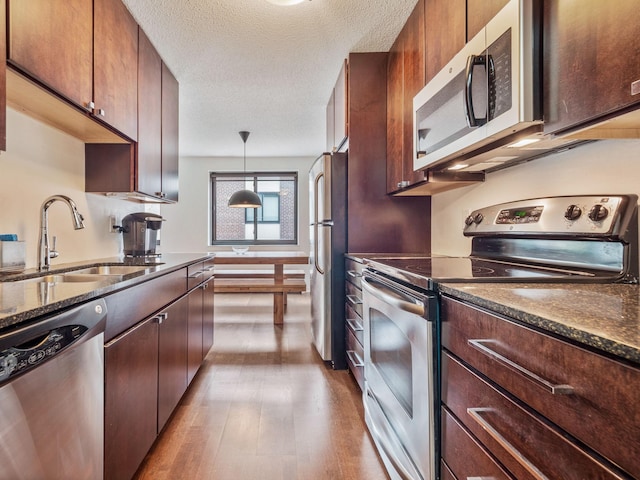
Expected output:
(33, 170)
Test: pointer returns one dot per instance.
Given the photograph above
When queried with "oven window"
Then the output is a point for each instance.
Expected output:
(391, 355)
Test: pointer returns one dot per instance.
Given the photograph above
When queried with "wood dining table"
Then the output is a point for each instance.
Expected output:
(278, 260)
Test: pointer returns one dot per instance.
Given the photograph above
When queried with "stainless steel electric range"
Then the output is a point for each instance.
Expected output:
(589, 238)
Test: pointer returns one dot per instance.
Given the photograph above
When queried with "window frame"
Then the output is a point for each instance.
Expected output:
(254, 178)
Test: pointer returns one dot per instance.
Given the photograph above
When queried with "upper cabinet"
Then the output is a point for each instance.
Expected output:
(445, 33)
(337, 111)
(405, 78)
(479, 12)
(86, 52)
(591, 61)
(170, 116)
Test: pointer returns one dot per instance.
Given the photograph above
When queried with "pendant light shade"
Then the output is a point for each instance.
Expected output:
(245, 198)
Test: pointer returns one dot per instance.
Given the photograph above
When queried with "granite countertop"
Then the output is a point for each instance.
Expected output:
(24, 297)
(604, 316)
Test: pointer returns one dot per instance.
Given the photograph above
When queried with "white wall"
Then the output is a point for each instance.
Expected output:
(604, 167)
(41, 161)
(188, 223)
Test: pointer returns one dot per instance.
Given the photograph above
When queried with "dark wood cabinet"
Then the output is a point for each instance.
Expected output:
(172, 358)
(195, 331)
(115, 73)
(149, 153)
(377, 222)
(555, 392)
(406, 77)
(131, 398)
(85, 51)
(445, 33)
(207, 317)
(170, 125)
(479, 12)
(52, 42)
(591, 61)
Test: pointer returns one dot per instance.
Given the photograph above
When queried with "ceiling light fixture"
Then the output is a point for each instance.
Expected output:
(284, 3)
(245, 198)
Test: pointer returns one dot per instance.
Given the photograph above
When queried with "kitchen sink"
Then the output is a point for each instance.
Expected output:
(110, 270)
(73, 278)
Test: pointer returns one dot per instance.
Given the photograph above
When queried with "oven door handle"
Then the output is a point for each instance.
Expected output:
(394, 297)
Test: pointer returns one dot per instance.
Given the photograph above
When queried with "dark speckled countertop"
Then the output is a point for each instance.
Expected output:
(606, 317)
(23, 298)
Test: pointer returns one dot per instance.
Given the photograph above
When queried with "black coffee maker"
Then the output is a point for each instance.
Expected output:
(140, 231)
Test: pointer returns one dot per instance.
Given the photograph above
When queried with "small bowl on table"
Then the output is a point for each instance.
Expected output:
(240, 250)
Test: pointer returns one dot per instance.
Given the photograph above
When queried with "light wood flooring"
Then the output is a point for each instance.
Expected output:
(264, 406)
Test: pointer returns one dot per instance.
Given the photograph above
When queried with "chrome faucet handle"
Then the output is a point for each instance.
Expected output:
(53, 253)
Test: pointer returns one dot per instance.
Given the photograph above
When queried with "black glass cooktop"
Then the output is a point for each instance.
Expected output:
(425, 271)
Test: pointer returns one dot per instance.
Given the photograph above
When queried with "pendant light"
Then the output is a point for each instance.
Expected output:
(245, 198)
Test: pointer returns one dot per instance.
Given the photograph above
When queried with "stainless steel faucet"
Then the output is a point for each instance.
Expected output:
(45, 253)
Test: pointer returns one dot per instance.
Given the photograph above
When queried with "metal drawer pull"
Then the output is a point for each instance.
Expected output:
(476, 414)
(355, 359)
(354, 299)
(196, 274)
(355, 325)
(532, 377)
(354, 274)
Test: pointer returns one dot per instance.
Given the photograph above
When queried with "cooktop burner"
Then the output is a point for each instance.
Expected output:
(424, 271)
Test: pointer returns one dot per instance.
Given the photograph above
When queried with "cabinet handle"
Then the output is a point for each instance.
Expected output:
(101, 112)
(548, 386)
(354, 274)
(355, 326)
(476, 414)
(209, 268)
(161, 317)
(91, 106)
(196, 274)
(403, 184)
(161, 194)
(354, 300)
(355, 359)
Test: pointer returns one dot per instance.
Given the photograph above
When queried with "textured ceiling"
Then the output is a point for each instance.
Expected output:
(251, 65)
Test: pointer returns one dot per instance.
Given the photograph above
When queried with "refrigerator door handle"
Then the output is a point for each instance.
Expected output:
(327, 223)
(315, 222)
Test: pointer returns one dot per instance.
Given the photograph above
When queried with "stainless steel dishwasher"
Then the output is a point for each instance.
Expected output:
(52, 396)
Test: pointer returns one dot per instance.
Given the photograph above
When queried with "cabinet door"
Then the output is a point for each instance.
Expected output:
(591, 59)
(52, 41)
(172, 359)
(479, 12)
(395, 99)
(445, 33)
(207, 318)
(149, 117)
(170, 112)
(131, 399)
(115, 71)
(331, 121)
(195, 330)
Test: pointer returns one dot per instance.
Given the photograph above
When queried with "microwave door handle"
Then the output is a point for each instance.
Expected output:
(472, 62)
(491, 80)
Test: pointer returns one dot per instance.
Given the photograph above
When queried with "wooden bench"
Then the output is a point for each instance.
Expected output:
(261, 281)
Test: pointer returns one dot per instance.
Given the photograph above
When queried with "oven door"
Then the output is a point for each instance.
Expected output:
(400, 376)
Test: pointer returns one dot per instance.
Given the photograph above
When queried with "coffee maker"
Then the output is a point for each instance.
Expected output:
(140, 231)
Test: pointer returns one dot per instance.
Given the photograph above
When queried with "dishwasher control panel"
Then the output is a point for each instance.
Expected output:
(19, 358)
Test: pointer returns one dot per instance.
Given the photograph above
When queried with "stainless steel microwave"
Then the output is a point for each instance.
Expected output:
(488, 93)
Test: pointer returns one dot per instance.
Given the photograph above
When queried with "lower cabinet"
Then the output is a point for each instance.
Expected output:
(172, 358)
(534, 404)
(131, 398)
(149, 366)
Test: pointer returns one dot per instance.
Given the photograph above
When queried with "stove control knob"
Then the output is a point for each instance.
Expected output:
(478, 218)
(598, 213)
(572, 212)
(468, 221)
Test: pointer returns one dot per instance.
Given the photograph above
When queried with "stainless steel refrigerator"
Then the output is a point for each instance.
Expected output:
(328, 238)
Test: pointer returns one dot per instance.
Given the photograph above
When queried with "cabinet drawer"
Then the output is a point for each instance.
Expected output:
(590, 396)
(199, 272)
(355, 358)
(353, 272)
(521, 441)
(354, 298)
(463, 456)
(354, 324)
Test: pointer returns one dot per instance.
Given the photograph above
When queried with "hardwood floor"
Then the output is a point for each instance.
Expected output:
(264, 406)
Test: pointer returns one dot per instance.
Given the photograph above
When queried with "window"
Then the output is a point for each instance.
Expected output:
(276, 222)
